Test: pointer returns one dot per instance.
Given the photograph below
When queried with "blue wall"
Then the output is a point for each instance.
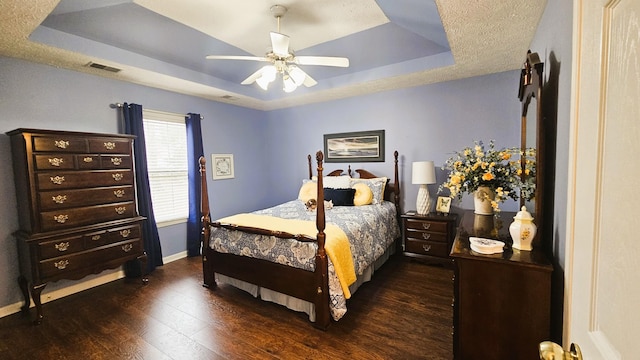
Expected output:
(422, 123)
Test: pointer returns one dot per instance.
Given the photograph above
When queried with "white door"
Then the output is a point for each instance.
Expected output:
(602, 268)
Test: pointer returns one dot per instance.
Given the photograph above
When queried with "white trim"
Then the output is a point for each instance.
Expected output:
(80, 286)
(171, 222)
(163, 115)
(174, 257)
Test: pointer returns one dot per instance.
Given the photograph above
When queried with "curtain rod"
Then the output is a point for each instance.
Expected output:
(120, 106)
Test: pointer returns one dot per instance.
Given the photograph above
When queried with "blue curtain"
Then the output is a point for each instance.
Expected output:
(194, 151)
(132, 114)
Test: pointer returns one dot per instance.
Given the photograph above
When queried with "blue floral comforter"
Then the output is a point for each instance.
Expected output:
(370, 229)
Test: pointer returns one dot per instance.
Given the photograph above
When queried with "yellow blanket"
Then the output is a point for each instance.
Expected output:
(336, 243)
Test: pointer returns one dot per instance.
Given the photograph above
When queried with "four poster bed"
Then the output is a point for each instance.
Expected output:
(307, 259)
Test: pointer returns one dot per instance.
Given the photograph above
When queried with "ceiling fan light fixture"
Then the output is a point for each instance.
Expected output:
(289, 84)
(269, 73)
(263, 83)
(297, 75)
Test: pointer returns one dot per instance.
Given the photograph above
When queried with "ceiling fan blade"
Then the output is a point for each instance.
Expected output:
(280, 44)
(253, 77)
(322, 60)
(309, 81)
(233, 57)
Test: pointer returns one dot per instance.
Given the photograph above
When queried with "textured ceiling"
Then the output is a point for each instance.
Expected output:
(391, 44)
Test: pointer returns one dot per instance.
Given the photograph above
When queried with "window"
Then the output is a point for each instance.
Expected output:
(166, 143)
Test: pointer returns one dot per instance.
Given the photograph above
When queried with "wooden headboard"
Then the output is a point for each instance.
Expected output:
(392, 190)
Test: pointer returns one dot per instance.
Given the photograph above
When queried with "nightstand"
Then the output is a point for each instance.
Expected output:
(428, 237)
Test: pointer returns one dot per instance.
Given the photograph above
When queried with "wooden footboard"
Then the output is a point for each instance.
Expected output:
(302, 284)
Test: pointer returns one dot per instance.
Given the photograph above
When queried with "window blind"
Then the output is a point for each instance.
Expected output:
(166, 144)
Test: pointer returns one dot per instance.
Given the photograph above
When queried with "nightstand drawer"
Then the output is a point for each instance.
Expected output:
(440, 249)
(426, 235)
(426, 225)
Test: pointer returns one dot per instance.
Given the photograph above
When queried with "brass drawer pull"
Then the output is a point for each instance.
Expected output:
(59, 199)
(117, 176)
(58, 180)
(125, 233)
(118, 193)
(116, 161)
(121, 210)
(88, 159)
(61, 265)
(56, 161)
(63, 246)
(61, 144)
(109, 145)
(127, 247)
(426, 248)
(95, 237)
(61, 218)
(426, 226)
(426, 236)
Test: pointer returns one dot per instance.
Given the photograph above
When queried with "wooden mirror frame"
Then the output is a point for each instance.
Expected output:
(531, 87)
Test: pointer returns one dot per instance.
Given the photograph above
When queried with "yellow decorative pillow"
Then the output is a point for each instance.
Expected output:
(363, 196)
(308, 190)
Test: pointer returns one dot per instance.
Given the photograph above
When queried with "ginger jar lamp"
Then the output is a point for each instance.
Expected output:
(423, 173)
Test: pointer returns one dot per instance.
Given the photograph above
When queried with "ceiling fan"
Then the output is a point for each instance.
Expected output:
(283, 61)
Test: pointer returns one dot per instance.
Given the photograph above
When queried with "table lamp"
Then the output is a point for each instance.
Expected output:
(423, 173)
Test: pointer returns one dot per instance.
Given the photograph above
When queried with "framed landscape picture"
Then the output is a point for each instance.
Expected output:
(361, 146)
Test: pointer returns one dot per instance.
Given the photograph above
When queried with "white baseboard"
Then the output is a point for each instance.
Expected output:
(79, 286)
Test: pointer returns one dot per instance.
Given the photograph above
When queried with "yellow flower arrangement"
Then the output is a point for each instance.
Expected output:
(499, 170)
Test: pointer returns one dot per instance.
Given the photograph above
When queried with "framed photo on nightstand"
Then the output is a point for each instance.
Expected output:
(443, 204)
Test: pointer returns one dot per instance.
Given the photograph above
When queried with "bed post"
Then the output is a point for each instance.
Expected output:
(396, 185)
(309, 163)
(207, 272)
(322, 267)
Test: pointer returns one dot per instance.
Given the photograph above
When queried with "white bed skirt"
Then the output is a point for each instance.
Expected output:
(294, 303)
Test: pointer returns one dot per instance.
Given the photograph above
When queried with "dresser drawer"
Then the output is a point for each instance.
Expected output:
(115, 161)
(88, 162)
(109, 146)
(426, 235)
(427, 225)
(110, 236)
(60, 247)
(65, 218)
(59, 143)
(55, 162)
(81, 179)
(56, 267)
(440, 249)
(52, 200)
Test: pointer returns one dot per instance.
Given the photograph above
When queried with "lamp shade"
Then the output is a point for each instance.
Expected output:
(423, 172)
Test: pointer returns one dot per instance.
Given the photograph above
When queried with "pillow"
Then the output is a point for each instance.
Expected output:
(336, 182)
(363, 195)
(308, 190)
(339, 197)
(376, 185)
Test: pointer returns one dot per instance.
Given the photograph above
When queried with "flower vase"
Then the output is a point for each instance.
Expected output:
(522, 230)
(482, 198)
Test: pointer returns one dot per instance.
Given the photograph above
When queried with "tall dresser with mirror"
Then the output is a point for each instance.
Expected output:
(502, 302)
(76, 207)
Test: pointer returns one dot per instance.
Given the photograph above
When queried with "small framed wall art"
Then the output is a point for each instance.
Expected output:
(222, 166)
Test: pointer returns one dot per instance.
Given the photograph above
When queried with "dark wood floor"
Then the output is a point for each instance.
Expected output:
(403, 313)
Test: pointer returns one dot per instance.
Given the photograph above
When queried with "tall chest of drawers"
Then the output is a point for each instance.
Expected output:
(76, 206)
